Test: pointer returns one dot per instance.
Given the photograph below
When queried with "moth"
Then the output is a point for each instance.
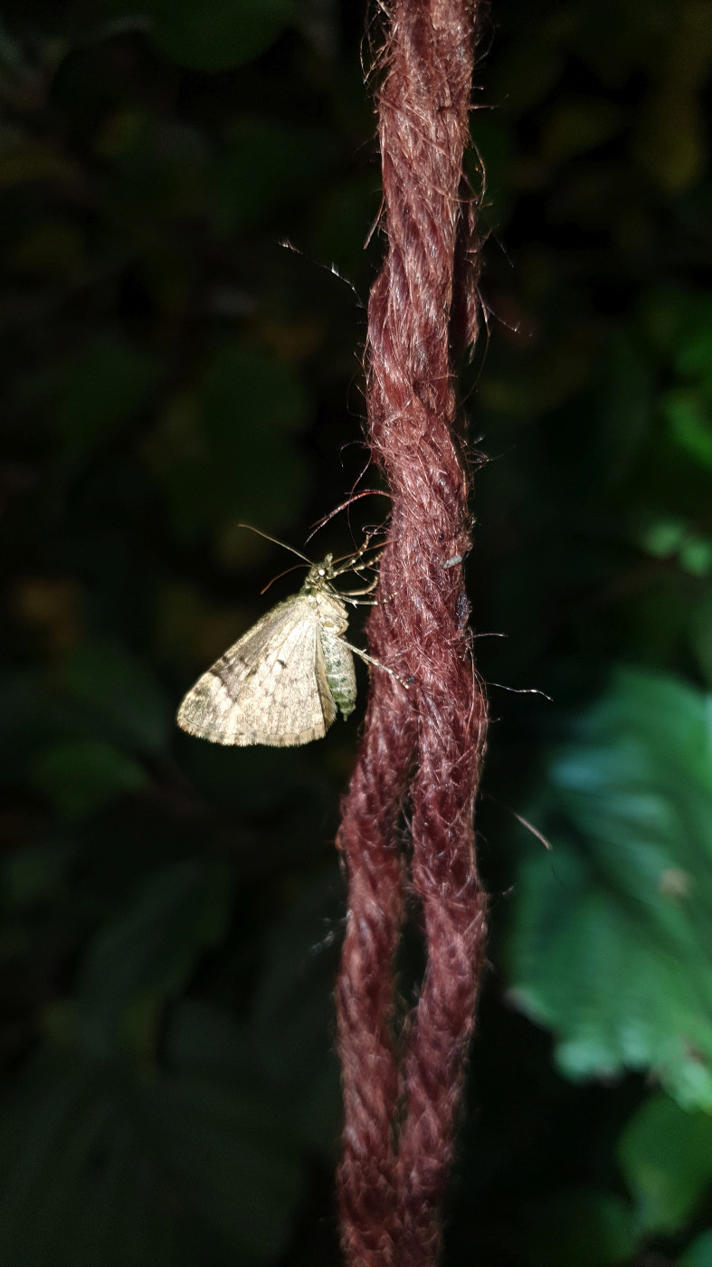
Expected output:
(283, 682)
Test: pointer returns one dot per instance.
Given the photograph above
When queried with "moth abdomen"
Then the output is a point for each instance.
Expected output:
(340, 672)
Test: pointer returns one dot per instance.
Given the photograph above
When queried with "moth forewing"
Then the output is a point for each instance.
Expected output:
(281, 683)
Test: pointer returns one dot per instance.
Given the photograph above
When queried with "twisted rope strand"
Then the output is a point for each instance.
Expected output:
(426, 743)
(365, 993)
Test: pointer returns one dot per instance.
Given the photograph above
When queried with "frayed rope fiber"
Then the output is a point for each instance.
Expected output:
(418, 767)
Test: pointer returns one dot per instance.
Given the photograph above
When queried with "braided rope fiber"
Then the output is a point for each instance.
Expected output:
(407, 829)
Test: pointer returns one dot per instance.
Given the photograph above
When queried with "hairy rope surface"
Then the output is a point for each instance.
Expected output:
(421, 753)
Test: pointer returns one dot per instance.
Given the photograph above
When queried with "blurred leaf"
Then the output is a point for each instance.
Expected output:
(666, 1157)
(671, 140)
(663, 537)
(701, 634)
(83, 776)
(696, 555)
(29, 162)
(101, 697)
(208, 1041)
(680, 325)
(120, 695)
(50, 250)
(218, 36)
(590, 1229)
(31, 717)
(623, 402)
(667, 537)
(690, 424)
(527, 71)
(50, 607)
(245, 383)
(285, 164)
(145, 954)
(342, 218)
(99, 391)
(104, 1167)
(693, 347)
(293, 1010)
(577, 125)
(260, 786)
(227, 1149)
(33, 873)
(49, 1136)
(699, 1253)
(607, 950)
(230, 454)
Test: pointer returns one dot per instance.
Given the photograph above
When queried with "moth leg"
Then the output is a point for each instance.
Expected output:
(359, 568)
(357, 593)
(363, 655)
(353, 564)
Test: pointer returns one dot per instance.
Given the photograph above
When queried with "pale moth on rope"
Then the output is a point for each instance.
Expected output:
(284, 680)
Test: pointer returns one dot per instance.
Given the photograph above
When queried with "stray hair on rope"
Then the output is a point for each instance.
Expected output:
(407, 827)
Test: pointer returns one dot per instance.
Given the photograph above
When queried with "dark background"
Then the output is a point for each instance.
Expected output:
(172, 912)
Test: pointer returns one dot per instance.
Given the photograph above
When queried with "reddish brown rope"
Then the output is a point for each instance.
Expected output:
(422, 748)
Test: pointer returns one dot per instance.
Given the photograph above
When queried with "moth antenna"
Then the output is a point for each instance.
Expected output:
(277, 542)
(279, 576)
(365, 492)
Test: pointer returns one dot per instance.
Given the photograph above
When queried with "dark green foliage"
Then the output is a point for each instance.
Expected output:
(611, 945)
(171, 912)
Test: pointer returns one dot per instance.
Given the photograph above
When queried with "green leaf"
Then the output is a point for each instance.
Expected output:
(53, 249)
(293, 1011)
(699, 1253)
(244, 382)
(265, 166)
(338, 224)
(231, 454)
(666, 1157)
(696, 555)
(29, 162)
(119, 694)
(50, 1131)
(701, 634)
(32, 874)
(99, 391)
(226, 1148)
(663, 536)
(690, 424)
(82, 776)
(144, 956)
(693, 349)
(219, 35)
(612, 944)
(103, 1166)
(623, 403)
(585, 1227)
(577, 125)
(209, 1042)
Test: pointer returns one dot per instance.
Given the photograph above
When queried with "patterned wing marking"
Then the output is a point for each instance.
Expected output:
(269, 688)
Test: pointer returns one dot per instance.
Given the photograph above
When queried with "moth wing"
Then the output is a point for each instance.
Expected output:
(270, 687)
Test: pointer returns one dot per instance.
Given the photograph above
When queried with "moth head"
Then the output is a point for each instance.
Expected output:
(320, 573)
